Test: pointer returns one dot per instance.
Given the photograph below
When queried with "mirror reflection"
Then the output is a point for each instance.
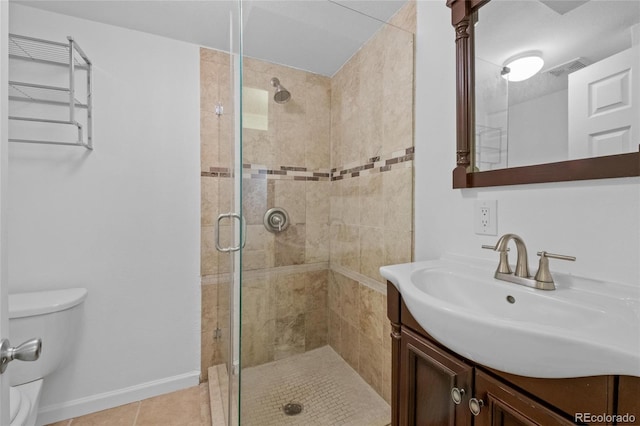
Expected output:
(554, 81)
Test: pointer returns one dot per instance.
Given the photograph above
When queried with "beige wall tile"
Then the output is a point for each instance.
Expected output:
(258, 147)
(316, 283)
(290, 246)
(335, 331)
(351, 200)
(207, 354)
(372, 314)
(372, 200)
(350, 295)
(398, 199)
(397, 247)
(290, 335)
(258, 300)
(290, 294)
(336, 207)
(208, 200)
(209, 312)
(317, 202)
(371, 252)
(317, 243)
(226, 140)
(316, 328)
(350, 343)
(334, 298)
(217, 56)
(257, 342)
(290, 195)
(349, 238)
(370, 362)
(290, 142)
(254, 200)
(208, 252)
(209, 140)
(209, 85)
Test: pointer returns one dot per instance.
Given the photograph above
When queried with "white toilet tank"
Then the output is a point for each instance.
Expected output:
(54, 316)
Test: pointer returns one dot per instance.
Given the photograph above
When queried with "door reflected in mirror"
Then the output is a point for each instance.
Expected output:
(583, 102)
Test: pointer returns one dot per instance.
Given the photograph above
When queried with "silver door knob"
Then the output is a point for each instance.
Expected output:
(27, 351)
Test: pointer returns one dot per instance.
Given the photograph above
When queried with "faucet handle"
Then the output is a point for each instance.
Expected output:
(544, 275)
(488, 247)
(556, 256)
(503, 266)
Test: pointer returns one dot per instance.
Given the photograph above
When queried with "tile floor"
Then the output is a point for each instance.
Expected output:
(330, 391)
(188, 407)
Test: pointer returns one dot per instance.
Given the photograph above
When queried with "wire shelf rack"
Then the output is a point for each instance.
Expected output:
(46, 52)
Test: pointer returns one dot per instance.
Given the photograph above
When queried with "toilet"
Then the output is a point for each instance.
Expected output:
(53, 316)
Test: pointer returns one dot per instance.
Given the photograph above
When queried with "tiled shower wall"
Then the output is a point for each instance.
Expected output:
(371, 215)
(284, 309)
(338, 157)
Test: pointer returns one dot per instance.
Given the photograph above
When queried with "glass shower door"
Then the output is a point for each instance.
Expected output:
(229, 227)
(327, 150)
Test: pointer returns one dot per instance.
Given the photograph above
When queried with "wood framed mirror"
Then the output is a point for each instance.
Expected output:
(464, 15)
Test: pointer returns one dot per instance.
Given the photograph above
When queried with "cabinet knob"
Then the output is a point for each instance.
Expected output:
(475, 405)
(456, 395)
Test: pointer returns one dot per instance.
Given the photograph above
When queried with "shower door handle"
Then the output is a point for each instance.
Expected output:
(243, 222)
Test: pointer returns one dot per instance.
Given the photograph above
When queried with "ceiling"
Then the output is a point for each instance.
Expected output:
(313, 35)
(560, 30)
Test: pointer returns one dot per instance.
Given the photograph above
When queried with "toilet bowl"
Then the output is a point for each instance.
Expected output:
(53, 316)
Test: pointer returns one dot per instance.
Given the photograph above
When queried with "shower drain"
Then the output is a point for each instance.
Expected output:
(292, 408)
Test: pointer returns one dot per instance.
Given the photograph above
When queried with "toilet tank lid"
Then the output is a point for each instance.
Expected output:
(44, 302)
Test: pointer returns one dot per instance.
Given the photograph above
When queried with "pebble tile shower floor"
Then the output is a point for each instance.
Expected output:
(330, 391)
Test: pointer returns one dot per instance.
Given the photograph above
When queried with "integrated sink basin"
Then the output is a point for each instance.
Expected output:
(583, 328)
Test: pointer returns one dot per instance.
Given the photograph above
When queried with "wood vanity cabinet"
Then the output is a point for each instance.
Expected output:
(427, 377)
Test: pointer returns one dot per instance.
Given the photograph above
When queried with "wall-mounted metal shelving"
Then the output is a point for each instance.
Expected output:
(50, 53)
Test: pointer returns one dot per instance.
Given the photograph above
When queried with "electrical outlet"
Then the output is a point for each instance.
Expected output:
(486, 217)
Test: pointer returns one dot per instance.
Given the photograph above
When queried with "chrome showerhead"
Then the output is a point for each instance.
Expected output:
(282, 95)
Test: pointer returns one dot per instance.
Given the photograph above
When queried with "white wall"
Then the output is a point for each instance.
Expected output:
(539, 130)
(597, 221)
(122, 221)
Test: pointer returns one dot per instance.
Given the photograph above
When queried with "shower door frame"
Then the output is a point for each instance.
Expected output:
(4, 142)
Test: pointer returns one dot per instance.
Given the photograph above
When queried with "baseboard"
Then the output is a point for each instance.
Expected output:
(80, 407)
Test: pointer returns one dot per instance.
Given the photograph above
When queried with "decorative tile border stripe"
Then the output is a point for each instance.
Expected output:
(259, 171)
(378, 164)
(217, 172)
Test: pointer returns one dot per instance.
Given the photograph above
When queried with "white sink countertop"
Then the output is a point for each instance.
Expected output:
(583, 328)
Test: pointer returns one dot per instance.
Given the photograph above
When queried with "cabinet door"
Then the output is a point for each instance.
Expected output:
(428, 375)
(501, 405)
(629, 399)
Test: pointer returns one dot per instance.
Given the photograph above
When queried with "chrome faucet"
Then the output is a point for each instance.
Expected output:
(542, 280)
